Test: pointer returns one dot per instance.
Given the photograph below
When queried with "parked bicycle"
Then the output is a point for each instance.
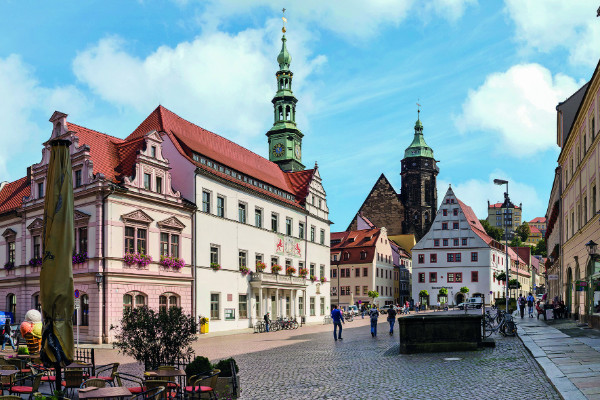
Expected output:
(506, 326)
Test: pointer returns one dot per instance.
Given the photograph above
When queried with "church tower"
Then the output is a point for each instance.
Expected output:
(419, 189)
(285, 139)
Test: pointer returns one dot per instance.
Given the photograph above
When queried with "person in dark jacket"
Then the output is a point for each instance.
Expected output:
(391, 319)
(7, 335)
(338, 320)
(374, 315)
(267, 321)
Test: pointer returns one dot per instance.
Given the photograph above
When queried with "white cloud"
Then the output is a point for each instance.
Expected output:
(23, 98)
(520, 105)
(222, 81)
(475, 193)
(355, 19)
(549, 24)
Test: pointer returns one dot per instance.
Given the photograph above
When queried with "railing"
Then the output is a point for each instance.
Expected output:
(86, 355)
(278, 278)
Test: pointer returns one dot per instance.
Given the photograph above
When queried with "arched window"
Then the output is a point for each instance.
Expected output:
(162, 303)
(280, 113)
(11, 304)
(85, 310)
(287, 113)
(167, 300)
(172, 301)
(140, 300)
(127, 302)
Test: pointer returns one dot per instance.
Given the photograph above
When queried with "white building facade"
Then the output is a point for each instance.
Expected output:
(456, 253)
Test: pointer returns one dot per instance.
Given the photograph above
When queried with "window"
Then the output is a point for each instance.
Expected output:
(162, 303)
(220, 206)
(444, 226)
(141, 241)
(214, 254)
(365, 290)
(274, 222)
(433, 277)
(444, 212)
(78, 178)
(421, 277)
(458, 277)
(365, 271)
(288, 226)
(206, 201)
(455, 225)
(322, 237)
(455, 212)
(40, 190)
(445, 242)
(322, 307)
(312, 269)
(585, 213)
(436, 242)
(82, 239)
(377, 272)
(129, 239)
(312, 306)
(450, 257)
(594, 209)
(433, 258)
(357, 290)
(214, 305)
(37, 246)
(243, 306)
(333, 273)
(159, 184)
(474, 256)
(450, 277)
(175, 246)
(464, 241)
(147, 181)
(474, 276)
(455, 242)
(242, 258)
(127, 303)
(421, 258)
(140, 300)
(242, 213)
(457, 257)
(301, 230)
(312, 233)
(258, 217)
(274, 260)
(363, 255)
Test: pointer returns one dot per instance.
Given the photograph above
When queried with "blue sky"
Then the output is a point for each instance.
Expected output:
(488, 75)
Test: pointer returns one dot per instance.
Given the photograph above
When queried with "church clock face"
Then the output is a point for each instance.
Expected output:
(278, 150)
(297, 151)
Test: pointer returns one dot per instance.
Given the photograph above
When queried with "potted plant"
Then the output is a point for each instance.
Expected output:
(204, 324)
(215, 266)
(35, 261)
(245, 270)
(80, 258)
(424, 298)
(172, 262)
(303, 272)
(225, 379)
(290, 270)
(260, 266)
(140, 259)
(9, 265)
(323, 279)
(275, 268)
(443, 296)
(312, 278)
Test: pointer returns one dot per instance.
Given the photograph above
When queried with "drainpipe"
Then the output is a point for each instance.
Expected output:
(560, 234)
(104, 285)
(194, 252)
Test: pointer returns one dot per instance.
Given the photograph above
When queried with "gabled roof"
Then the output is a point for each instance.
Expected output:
(538, 220)
(103, 150)
(300, 183)
(499, 205)
(534, 230)
(11, 196)
(354, 239)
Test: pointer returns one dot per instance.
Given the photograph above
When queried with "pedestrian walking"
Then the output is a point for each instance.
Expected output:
(374, 315)
(530, 302)
(338, 320)
(417, 305)
(522, 303)
(6, 333)
(391, 319)
(267, 321)
(363, 309)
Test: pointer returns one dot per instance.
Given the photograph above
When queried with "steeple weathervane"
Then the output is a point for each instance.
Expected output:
(418, 110)
(284, 20)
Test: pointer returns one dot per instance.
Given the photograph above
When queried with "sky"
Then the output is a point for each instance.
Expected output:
(488, 76)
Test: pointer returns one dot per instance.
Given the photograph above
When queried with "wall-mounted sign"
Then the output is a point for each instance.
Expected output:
(288, 246)
(580, 286)
(229, 314)
(552, 277)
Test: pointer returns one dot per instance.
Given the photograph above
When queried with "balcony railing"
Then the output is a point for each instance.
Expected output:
(278, 279)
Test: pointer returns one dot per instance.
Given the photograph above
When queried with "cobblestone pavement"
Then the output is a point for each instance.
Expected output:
(308, 364)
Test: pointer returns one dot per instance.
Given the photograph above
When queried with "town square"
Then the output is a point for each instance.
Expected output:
(277, 199)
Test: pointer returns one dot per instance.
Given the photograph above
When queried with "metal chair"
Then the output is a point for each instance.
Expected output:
(93, 382)
(203, 384)
(155, 383)
(138, 386)
(151, 394)
(172, 384)
(30, 390)
(112, 367)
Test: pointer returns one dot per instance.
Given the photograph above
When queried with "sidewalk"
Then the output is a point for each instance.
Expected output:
(568, 354)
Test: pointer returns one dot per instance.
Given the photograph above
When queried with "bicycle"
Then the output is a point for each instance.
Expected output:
(506, 326)
(348, 317)
(259, 327)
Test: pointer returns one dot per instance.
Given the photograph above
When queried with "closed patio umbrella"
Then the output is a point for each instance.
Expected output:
(56, 278)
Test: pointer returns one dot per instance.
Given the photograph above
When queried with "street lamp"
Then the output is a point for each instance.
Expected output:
(504, 182)
(99, 279)
(591, 248)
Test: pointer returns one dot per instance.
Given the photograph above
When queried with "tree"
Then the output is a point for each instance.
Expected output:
(493, 231)
(514, 284)
(443, 295)
(464, 290)
(540, 249)
(155, 338)
(516, 241)
(423, 293)
(523, 231)
(501, 276)
(373, 294)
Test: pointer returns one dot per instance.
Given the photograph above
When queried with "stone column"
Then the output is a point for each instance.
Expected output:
(293, 300)
(277, 305)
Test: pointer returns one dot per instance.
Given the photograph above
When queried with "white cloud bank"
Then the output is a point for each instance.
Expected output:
(222, 81)
(548, 24)
(23, 98)
(520, 105)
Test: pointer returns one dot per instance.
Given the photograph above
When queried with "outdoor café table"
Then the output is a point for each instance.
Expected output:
(167, 373)
(105, 393)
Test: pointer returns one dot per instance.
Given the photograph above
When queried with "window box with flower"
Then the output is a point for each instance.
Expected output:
(275, 268)
(215, 266)
(303, 272)
(9, 265)
(313, 278)
(80, 258)
(323, 279)
(172, 262)
(142, 260)
(245, 270)
(35, 262)
(260, 266)
(290, 270)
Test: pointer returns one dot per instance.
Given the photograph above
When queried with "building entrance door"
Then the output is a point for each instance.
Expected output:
(460, 298)
(273, 307)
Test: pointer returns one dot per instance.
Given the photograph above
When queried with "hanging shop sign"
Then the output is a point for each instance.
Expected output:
(581, 286)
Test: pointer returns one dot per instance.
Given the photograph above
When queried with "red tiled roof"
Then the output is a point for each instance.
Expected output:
(499, 205)
(212, 146)
(538, 220)
(533, 229)
(127, 153)
(365, 237)
(11, 196)
(299, 182)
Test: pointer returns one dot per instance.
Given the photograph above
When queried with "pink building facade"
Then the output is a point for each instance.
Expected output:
(124, 204)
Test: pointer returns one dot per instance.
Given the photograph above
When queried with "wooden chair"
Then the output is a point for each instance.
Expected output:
(156, 383)
(30, 390)
(203, 384)
(73, 379)
(47, 375)
(6, 381)
(94, 382)
(138, 386)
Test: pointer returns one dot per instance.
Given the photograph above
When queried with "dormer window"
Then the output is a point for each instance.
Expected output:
(78, 178)
(159, 184)
(153, 151)
(40, 190)
(147, 182)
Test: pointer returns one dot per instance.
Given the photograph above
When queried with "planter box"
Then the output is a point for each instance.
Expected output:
(204, 328)
(225, 387)
(433, 333)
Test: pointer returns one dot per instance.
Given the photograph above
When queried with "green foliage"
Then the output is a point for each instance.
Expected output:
(225, 367)
(200, 365)
(501, 276)
(443, 291)
(540, 249)
(155, 338)
(23, 350)
(373, 294)
(423, 293)
(464, 290)
(514, 284)
(57, 395)
(516, 242)
(492, 231)
(523, 231)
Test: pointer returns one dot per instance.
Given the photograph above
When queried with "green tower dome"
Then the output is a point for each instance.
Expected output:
(418, 147)
(284, 58)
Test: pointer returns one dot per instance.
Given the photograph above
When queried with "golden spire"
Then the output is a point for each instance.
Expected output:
(284, 20)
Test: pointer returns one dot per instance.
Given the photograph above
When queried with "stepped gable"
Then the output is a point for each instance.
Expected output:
(11, 196)
(212, 146)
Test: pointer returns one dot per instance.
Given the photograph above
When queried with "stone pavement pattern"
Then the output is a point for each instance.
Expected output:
(570, 355)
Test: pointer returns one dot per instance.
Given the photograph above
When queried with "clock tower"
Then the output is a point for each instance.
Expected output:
(285, 139)
(419, 188)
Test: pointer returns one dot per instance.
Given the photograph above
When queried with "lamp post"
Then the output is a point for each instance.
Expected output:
(99, 279)
(504, 182)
